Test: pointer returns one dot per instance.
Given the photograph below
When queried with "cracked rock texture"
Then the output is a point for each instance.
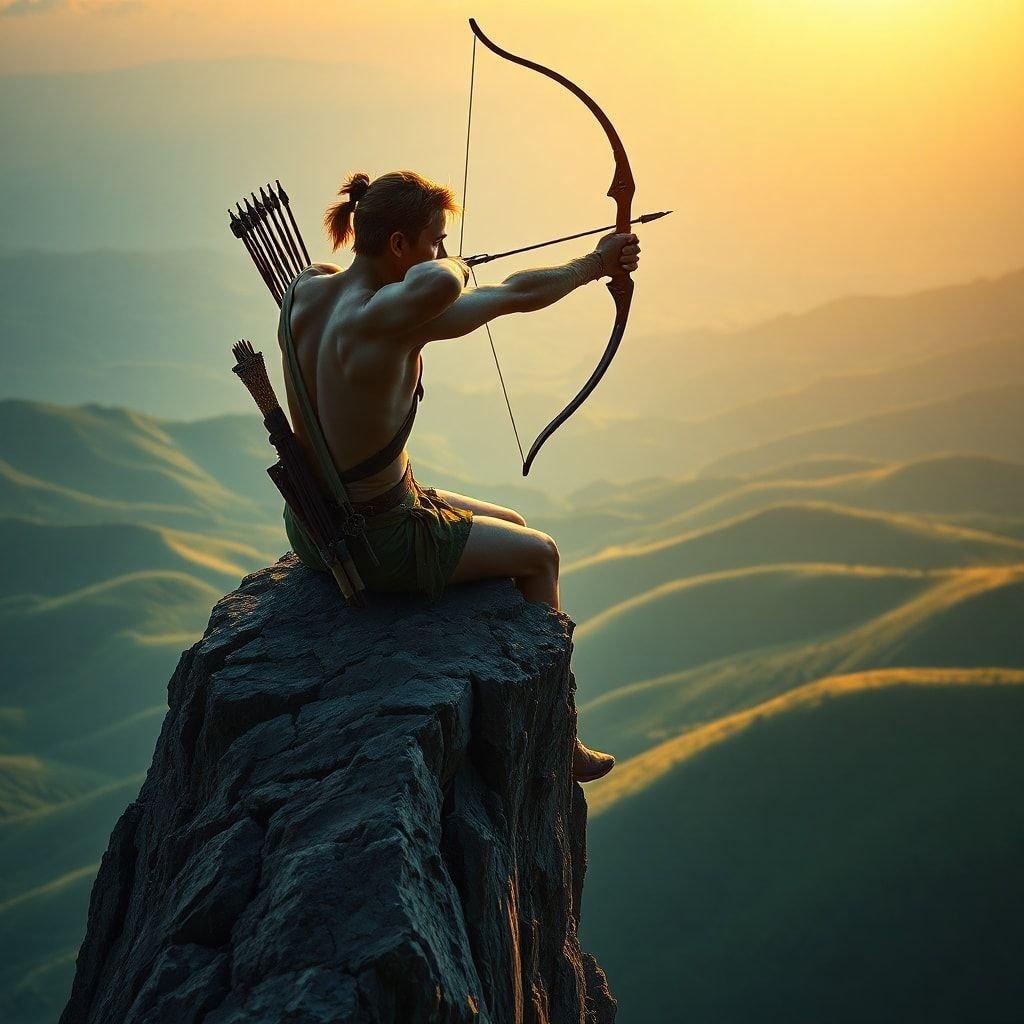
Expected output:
(352, 816)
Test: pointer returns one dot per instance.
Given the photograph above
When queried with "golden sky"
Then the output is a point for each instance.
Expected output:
(812, 147)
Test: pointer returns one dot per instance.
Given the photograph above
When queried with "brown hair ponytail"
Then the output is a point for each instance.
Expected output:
(398, 201)
(338, 220)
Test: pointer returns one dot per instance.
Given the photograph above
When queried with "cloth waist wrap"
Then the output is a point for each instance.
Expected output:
(418, 541)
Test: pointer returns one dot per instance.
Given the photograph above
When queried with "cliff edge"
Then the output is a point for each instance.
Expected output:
(352, 816)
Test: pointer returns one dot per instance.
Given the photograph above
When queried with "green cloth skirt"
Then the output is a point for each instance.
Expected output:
(418, 544)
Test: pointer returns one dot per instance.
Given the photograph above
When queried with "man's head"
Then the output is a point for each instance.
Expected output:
(399, 218)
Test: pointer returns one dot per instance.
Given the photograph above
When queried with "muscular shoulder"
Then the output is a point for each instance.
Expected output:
(396, 310)
(325, 301)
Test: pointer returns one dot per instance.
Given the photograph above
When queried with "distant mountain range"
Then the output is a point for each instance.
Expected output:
(153, 333)
(713, 371)
(979, 421)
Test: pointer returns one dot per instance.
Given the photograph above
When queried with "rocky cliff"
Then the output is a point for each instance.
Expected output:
(352, 816)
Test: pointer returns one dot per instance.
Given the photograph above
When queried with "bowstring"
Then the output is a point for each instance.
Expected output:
(472, 270)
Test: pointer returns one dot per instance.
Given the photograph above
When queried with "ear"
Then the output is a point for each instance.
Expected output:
(397, 244)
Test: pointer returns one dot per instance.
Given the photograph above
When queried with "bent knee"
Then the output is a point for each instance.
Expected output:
(547, 554)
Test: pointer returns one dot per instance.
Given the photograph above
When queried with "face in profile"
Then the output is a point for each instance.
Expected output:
(428, 246)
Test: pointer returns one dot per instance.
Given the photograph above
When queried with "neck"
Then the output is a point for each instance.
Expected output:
(375, 272)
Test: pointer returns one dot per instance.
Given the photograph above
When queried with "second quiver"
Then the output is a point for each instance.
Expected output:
(294, 478)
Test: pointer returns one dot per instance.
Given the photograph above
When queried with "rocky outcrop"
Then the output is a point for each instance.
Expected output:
(352, 816)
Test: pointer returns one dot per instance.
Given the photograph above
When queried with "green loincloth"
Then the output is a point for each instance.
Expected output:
(418, 544)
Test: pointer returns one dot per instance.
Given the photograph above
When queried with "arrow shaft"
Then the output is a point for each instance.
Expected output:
(474, 261)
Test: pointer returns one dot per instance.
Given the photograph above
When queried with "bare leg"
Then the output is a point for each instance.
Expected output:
(497, 547)
(493, 549)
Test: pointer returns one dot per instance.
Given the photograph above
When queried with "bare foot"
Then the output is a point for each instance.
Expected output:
(588, 764)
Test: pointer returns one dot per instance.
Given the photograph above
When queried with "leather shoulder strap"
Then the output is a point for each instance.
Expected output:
(309, 417)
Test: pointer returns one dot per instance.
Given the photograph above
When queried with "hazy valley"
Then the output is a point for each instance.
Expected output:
(799, 629)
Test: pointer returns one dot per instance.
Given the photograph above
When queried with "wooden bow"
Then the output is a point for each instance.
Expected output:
(621, 283)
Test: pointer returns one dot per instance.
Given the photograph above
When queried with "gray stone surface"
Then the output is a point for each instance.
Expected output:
(352, 816)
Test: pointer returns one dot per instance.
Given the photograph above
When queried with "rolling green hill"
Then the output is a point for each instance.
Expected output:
(48, 860)
(92, 464)
(78, 662)
(973, 491)
(846, 852)
(111, 453)
(956, 489)
(691, 621)
(29, 784)
(78, 556)
(960, 617)
(22, 495)
(790, 533)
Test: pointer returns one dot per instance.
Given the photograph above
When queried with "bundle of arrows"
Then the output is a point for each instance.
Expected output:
(273, 242)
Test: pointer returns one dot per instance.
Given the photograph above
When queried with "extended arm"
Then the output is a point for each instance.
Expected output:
(522, 292)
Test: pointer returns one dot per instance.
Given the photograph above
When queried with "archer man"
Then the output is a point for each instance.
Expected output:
(358, 335)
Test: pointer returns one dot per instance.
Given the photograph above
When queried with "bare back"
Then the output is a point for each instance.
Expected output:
(361, 387)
